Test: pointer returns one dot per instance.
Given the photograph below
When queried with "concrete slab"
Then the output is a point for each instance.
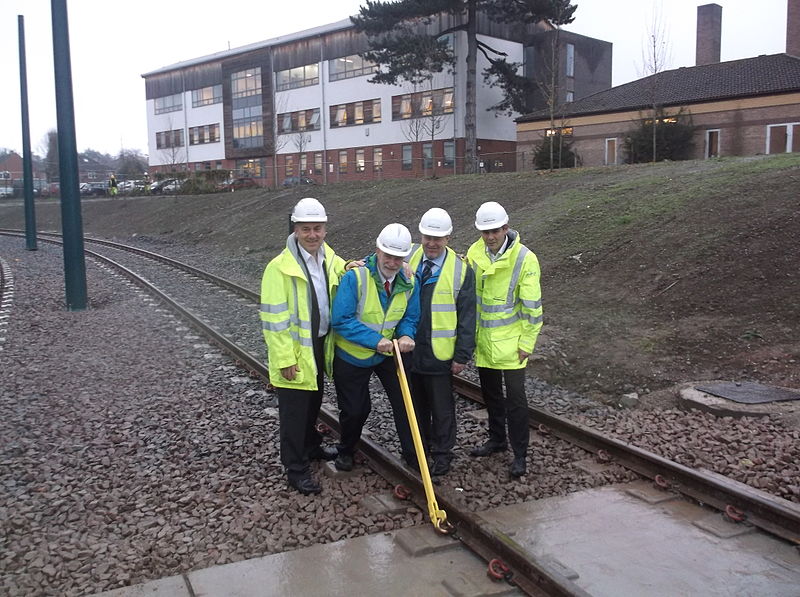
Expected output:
(646, 491)
(620, 545)
(373, 565)
(173, 586)
(592, 467)
(385, 504)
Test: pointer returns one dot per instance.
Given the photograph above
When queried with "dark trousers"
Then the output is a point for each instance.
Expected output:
(436, 413)
(511, 409)
(352, 395)
(298, 411)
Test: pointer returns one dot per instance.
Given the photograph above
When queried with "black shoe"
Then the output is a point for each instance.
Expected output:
(487, 448)
(305, 485)
(518, 466)
(323, 453)
(440, 467)
(344, 462)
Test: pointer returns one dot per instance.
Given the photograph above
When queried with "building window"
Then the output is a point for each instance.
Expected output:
(302, 120)
(289, 165)
(423, 103)
(248, 127)
(360, 161)
(168, 103)
(318, 162)
(169, 139)
(449, 154)
(570, 60)
(348, 67)
(299, 76)
(343, 162)
(364, 112)
(570, 97)
(427, 155)
(377, 159)
(206, 96)
(246, 114)
(566, 132)
(246, 82)
(303, 163)
(783, 138)
(200, 135)
(408, 164)
(251, 168)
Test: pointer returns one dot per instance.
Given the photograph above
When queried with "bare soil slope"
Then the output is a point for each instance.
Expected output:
(653, 275)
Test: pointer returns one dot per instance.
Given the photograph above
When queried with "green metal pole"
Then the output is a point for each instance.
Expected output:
(27, 164)
(71, 222)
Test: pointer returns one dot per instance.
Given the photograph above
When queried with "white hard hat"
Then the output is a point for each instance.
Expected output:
(395, 240)
(309, 210)
(490, 215)
(436, 222)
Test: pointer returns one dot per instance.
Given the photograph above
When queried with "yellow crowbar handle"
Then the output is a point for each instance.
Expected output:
(438, 517)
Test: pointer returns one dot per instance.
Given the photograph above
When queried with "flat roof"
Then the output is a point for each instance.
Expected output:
(282, 39)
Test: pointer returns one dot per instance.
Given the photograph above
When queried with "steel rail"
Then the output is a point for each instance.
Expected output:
(219, 281)
(525, 572)
(771, 513)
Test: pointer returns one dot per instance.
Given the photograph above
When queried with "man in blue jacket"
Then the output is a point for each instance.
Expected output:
(374, 304)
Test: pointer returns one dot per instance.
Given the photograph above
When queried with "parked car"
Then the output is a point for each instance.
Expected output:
(93, 189)
(243, 182)
(167, 185)
(293, 181)
(6, 191)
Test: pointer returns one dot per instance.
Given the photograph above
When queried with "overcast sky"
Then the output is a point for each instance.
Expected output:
(114, 41)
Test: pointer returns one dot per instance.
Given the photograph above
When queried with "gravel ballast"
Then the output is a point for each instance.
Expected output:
(133, 450)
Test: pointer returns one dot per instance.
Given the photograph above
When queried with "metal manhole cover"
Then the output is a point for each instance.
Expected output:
(749, 393)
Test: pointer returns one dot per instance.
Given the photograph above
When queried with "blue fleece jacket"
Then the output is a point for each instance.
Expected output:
(343, 315)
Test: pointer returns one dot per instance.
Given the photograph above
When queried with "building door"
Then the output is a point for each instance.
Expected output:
(611, 152)
(712, 143)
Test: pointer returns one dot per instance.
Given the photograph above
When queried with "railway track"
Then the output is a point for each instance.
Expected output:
(737, 500)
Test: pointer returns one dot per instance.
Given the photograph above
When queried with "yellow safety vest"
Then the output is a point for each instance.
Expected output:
(509, 305)
(370, 312)
(286, 317)
(444, 318)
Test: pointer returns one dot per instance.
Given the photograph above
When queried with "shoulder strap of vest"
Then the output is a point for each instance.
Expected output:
(362, 275)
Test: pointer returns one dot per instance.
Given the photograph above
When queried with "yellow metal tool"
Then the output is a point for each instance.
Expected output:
(438, 517)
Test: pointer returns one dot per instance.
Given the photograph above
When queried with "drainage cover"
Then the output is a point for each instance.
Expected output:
(749, 393)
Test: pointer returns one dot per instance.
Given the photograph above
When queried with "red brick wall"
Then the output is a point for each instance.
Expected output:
(742, 132)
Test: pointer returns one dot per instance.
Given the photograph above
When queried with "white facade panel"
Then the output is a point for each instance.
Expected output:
(184, 119)
(490, 124)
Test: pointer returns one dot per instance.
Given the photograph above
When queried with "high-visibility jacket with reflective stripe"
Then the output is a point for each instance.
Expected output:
(286, 316)
(444, 318)
(370, 312)
(509, 304)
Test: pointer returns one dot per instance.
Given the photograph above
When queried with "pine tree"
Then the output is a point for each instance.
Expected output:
(405, 43)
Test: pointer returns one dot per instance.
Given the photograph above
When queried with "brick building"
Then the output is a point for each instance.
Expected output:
(302, 104)
(742, 107)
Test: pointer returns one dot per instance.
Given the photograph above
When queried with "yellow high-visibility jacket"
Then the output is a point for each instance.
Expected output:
(286, 316)
(444, 316)
(509, 304)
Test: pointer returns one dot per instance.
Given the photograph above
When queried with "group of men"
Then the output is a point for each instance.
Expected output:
(320, 313)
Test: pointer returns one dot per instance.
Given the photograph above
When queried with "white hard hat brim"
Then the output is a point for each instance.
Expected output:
(491, 225)
(432, 232)
(392, 251)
